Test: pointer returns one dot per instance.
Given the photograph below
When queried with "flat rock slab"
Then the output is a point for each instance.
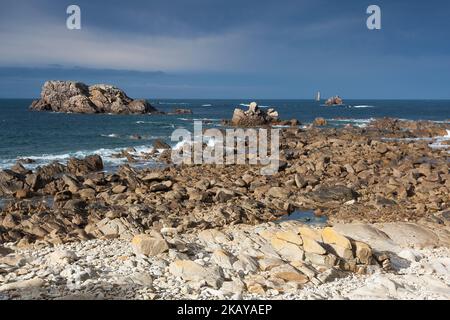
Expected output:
(334, 193)
(377, 239)
(391, 236)
(23, 285)
(409, 234)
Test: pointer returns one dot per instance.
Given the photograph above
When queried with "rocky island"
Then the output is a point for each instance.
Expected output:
(77, 97)
(334, 101)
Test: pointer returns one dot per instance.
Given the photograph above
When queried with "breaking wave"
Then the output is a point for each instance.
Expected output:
(107, 155)
(361, 107)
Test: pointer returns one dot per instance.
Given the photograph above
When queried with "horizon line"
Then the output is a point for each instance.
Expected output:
(254, 99)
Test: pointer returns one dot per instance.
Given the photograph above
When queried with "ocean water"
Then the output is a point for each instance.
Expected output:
(46, 137)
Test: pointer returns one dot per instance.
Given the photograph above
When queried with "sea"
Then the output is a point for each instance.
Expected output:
(45, 137)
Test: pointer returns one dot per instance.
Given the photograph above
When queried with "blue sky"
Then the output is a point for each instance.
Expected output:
(229, 49)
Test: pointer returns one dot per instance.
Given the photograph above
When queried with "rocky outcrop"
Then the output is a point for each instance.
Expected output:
(83, 166)
(254, 116)
(10, 182)
(320, 122)
(334, 101)
(47, 180)
(77, 97)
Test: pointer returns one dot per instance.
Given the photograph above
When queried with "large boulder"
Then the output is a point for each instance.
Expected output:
(80, 167)
(76, 97)
(333, 193)
(10, 182)
(149, 245)
(191, 271)
(45, 174)
(320, 122)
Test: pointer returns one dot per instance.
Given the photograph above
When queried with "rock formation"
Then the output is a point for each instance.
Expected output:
(320, 122)
(77, 97)
(334, 101)
(254, 116)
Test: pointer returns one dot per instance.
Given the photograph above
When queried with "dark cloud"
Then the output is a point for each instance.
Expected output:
(226, 48)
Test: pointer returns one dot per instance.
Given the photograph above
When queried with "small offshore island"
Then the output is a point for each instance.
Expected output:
(72, 231)
(77, 97)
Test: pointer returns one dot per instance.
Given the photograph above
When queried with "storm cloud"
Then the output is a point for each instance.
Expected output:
(228, 49)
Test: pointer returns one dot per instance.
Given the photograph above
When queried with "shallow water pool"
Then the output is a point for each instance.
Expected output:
(304, 216)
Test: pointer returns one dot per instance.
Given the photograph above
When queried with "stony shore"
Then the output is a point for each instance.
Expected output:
(239, 262)
(211, 231)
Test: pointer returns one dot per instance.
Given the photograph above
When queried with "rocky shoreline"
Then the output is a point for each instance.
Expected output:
(237, 262)
(210, 231)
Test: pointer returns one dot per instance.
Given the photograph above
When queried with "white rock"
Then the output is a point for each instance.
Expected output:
(61, 258)
(411, 255)
(25, 284)
(222, 259)
(192, 271)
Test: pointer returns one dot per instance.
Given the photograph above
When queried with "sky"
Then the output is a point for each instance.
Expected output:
(283, 49)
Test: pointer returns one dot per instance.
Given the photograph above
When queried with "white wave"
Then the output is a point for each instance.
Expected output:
(435, 143)
(206, 119)
(207, 105)
(352, 120)
(157, 123)
(179, 145)
(360, 123)
(199, 119)
(107, 155)
(111, 135)
(209, 140)
(281, 126)
(362, 106)
(174, 103)
(408, 139)
(441, 121)
(439, 142)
